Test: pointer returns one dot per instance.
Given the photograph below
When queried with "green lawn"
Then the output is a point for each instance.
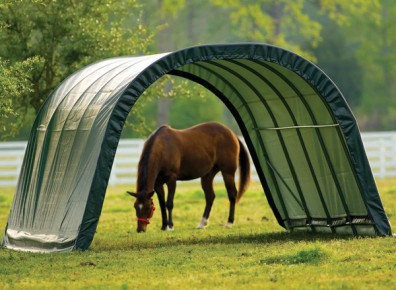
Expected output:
(255, 254)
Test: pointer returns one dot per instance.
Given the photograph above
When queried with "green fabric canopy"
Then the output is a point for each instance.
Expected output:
(301, 134)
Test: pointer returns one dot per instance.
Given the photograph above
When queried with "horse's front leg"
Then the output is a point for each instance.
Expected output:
(159, 189)
(169, 202)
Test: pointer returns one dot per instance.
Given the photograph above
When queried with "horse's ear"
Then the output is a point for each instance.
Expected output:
(132, 194)
(150, 194)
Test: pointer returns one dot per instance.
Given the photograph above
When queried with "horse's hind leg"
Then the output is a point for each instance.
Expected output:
(229, 180)
(207, 186)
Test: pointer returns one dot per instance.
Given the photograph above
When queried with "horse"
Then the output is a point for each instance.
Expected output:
(198, 152)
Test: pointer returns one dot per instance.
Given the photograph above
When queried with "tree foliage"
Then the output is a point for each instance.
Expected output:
(341, 63)
(44, 41)
(67, 35)
(376, 42)
(14, 84)
(290, 24)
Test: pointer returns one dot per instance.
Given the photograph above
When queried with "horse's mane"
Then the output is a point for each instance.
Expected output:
(143, 167)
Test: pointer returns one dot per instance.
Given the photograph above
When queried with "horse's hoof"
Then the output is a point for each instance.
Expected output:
(203, 223)
(168, 228)
(228, 225)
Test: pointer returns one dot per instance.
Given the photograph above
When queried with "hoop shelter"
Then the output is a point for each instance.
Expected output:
(301, 134)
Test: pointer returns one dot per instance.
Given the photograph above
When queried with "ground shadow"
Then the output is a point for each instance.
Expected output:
(259, 238)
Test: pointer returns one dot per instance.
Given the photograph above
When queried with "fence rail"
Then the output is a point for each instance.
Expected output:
(380, 148)
(11, 157)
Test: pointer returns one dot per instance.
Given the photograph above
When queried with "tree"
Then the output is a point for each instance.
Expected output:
(375, 39)
(290, 24)
(14, 83)
(67, 35)
(338, 59)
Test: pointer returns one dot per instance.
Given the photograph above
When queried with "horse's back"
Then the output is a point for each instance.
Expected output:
(211, 143)
(193, 152)
(209, 130)
(212, 135)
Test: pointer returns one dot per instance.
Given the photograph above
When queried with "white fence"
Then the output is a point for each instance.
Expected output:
(11, 157)
(380, 148)
(381, 151)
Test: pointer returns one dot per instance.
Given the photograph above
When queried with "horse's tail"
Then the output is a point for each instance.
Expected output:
(244, 170)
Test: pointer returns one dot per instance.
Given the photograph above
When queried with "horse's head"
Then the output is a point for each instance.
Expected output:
(144, 207)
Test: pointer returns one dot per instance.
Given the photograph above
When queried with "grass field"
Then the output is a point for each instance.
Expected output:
(255, 254)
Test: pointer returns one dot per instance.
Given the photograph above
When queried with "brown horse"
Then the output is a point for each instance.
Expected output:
(198, 152)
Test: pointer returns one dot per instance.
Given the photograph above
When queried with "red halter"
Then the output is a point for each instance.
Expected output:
(147, 220)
